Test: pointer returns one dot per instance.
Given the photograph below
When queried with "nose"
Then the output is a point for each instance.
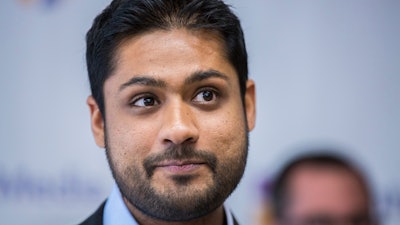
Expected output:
(178, 125)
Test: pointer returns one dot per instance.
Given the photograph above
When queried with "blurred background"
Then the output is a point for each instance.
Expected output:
(327, 74)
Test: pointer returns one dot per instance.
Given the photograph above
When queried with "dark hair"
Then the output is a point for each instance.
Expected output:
(123, 19)
(280, 189)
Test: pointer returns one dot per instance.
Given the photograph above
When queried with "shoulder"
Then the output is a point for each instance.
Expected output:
(96, 218)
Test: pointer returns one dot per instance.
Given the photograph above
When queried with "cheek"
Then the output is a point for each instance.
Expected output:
(226, 133)
(128, 144)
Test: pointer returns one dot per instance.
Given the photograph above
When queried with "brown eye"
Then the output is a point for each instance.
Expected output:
(208, 95)
(148, 101)
(205, 96)
(145, 102)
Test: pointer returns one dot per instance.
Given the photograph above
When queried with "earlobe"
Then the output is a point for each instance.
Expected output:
(250, 104)
(97, 122)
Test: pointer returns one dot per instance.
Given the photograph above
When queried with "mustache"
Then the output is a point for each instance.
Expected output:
(179, 152)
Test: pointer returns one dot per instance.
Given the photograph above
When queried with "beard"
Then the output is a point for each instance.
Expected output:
(182, 202)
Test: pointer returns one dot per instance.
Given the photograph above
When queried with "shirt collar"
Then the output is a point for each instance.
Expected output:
(116, 212)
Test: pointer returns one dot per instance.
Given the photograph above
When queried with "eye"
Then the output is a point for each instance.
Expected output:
(144, 101)
(206, 96)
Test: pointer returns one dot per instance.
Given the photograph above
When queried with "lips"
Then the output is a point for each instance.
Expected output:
(180, 166)
(180, 160)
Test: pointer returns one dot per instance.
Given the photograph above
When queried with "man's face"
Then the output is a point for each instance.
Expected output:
(175, 127)
(326, 196)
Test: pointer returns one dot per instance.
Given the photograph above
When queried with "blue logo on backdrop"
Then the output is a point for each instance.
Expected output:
(72, 186)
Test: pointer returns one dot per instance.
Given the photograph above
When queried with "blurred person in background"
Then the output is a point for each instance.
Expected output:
(320, 189)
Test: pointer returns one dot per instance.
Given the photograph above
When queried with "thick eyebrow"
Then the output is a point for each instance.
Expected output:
(203, 75)
(193, 78)
(143, 81)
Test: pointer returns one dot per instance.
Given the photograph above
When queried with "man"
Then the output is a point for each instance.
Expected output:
(321, 189)
(172, 106)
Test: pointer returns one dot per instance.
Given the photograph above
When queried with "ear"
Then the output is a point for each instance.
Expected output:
(96, 121)
(250, 104)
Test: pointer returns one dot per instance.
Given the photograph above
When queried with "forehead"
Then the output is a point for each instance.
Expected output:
(175, 36)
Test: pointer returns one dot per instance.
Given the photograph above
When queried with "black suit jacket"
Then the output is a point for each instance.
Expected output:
(97, 217)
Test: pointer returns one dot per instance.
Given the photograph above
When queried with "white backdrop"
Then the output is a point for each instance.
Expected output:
(327, 74)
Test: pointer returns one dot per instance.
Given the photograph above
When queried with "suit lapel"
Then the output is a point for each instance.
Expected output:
(235, 222)
(96, 218)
